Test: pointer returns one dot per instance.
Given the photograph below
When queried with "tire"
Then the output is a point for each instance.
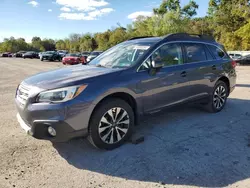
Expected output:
(214, 99)
(41, 59)
(100, 131)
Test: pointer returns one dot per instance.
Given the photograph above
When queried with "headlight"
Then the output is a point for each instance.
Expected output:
(60, 95)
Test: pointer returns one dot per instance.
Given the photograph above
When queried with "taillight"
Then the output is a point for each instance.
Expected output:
(234, 64)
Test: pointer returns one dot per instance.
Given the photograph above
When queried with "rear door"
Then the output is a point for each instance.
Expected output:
(201, 68)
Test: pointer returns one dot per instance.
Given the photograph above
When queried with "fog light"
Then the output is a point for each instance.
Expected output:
(52, 131)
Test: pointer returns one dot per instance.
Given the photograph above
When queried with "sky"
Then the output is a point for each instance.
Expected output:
(57, 19)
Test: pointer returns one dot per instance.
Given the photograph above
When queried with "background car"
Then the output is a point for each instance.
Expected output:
(30, 55)
(235, 56)
(40, 54)
(85, 54)
(19, 54)
(73, 59)
(245, 60)
(51, 56)
(7, 54)
(93, 55)
(62, 53)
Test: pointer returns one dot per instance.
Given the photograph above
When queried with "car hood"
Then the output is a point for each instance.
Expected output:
(47, 54)
(73, 75)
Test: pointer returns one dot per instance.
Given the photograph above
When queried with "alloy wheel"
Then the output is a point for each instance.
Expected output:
(114, 125)
(220, 96)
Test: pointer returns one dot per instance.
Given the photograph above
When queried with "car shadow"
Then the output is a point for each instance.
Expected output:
(186, 146)
(242, 85)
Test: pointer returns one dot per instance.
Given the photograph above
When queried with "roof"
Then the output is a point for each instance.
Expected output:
(175, 37)
(146, 39)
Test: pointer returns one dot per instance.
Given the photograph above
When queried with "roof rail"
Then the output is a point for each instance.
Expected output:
(134, 38)
(185, 36)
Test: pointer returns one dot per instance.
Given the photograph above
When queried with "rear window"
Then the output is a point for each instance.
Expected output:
(217, 52)
(72, 55)
(195, 52)
(95, 53)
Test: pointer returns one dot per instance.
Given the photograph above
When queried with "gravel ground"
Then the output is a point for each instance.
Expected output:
(185, 147)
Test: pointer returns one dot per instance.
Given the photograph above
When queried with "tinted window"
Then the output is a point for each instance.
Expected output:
(218, 53)
(95, 53)
(209, 56)
(169, 54)
(195, 52)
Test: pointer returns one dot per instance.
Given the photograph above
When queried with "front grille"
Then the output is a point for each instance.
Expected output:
(23, 94)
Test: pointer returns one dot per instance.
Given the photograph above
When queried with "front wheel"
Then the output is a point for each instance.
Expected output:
(218, 99)
(111, 124)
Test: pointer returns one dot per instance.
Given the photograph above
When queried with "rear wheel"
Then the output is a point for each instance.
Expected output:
(111, 124)
(41, 59)
(218, 99)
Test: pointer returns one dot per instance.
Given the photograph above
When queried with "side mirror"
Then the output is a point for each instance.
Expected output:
(156, 64)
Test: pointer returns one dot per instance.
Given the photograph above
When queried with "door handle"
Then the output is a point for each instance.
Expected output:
(214, 67)
(184, 74)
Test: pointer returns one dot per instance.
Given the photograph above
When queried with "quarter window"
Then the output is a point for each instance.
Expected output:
(195, 53)
(218, 53)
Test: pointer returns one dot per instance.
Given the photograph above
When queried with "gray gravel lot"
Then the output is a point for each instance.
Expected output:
(184, 147)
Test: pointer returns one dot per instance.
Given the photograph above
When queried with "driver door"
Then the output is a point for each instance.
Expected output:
(165, 86)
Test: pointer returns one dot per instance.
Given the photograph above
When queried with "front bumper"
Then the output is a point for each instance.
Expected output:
(70, 62)
(70, 119)
(47, 57)
(39, 130)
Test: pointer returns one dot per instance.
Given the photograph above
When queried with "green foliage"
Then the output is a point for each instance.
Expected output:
(228, 21)
(227, 17)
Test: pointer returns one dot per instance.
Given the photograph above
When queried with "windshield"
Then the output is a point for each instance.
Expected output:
(72, 55)
(122, 55)
(49, 52)
(85, 53)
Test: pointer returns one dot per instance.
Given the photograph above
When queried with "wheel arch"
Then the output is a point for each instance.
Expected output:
(226, 81)
(127, 97)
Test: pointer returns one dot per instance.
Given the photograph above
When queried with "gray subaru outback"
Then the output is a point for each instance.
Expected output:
(106, 98)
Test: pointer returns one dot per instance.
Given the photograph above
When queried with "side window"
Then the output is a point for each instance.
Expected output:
(169, 54)
(218, 53)
(208, 53)
(195, 52)
(146, 65)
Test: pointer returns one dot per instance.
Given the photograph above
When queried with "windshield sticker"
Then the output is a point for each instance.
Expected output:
(141, 47)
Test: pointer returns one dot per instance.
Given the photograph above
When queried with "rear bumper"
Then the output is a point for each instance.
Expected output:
(39, 130)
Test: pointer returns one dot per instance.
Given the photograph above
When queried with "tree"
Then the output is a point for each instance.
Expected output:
(189, 10)
(87, 43)
(227, 16)
(36, 39)
(102, 40)
(167, 5)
